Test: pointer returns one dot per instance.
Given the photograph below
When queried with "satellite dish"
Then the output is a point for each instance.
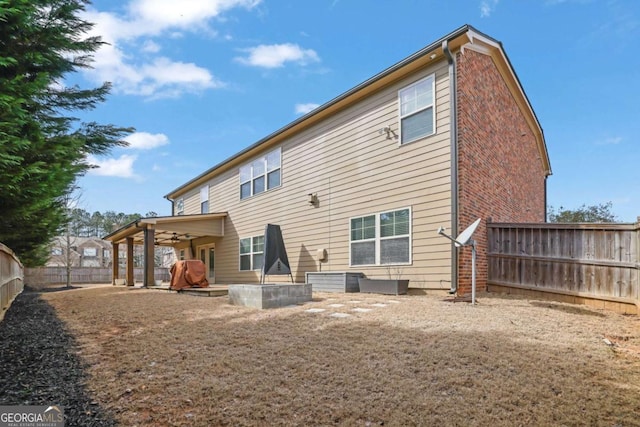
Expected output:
(464, 237)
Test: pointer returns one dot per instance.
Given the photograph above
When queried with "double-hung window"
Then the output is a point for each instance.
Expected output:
(204, 199)
(261, 175)
(251, 253)
(180, 206)
(417, 110)
(381, 239)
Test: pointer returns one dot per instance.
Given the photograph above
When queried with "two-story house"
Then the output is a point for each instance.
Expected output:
(82, 252)
(441, 138)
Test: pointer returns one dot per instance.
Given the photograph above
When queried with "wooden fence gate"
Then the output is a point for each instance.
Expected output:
(594, 264)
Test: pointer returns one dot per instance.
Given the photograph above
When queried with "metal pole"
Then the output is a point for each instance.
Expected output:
(473, 272)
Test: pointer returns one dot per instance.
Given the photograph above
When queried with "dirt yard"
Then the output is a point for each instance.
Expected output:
(158, 358)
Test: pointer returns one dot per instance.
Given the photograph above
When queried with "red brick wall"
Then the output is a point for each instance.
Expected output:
(500, 173)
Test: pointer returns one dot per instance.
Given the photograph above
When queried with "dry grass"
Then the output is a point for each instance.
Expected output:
(167, 359)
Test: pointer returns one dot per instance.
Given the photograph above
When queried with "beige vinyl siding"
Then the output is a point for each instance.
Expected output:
(192, 202)
(355, 171)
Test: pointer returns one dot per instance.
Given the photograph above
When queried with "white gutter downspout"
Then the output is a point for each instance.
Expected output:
(453, 131)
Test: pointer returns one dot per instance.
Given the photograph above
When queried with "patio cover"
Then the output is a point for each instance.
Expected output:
(161, 231)
(169, 230)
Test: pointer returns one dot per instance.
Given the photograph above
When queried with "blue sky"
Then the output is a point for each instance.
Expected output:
(202, 79)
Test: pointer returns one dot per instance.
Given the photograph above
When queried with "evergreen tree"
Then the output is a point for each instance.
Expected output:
(42, 148)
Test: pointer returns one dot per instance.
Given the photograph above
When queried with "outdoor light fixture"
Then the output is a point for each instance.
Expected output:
(389, 132)
(313, 199)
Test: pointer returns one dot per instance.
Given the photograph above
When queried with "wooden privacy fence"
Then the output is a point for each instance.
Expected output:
(11, 278)
(594, 264)
(79, 275)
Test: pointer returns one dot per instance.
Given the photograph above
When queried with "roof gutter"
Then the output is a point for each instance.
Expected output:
(453, 131)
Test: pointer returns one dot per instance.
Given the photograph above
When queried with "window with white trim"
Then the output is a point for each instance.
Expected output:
(90, 251)
(381, 239)
(251, 253)
(204, 199)
(180, 206)
(261, 175)
(417, 110)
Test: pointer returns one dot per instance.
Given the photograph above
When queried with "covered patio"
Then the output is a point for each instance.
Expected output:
(173, 231)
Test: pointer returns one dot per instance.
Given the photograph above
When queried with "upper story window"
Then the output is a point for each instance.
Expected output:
(56, 251)
(204, 199)
(180, 206)
(261, 175)
(417, 110)
(381, 239)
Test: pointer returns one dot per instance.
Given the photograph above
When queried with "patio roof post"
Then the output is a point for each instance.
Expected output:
(130, 277)
(114, 262)
(149, 258)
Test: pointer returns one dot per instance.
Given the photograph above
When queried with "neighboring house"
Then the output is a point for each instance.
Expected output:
(439, 139)
(95, 252)
(84, 252)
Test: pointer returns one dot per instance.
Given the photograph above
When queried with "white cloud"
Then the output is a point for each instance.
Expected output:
(186, 14)
(119, 61)
(274, 56)
(487, 7)
(614, 140)
(151, 47)
(166, 78)
(306, 108)
(121, 167)
(146, 141)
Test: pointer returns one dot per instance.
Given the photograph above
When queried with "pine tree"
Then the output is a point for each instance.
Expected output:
(43, 149)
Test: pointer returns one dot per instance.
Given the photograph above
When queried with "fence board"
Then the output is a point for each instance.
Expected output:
(11, 278)
(598, 261)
